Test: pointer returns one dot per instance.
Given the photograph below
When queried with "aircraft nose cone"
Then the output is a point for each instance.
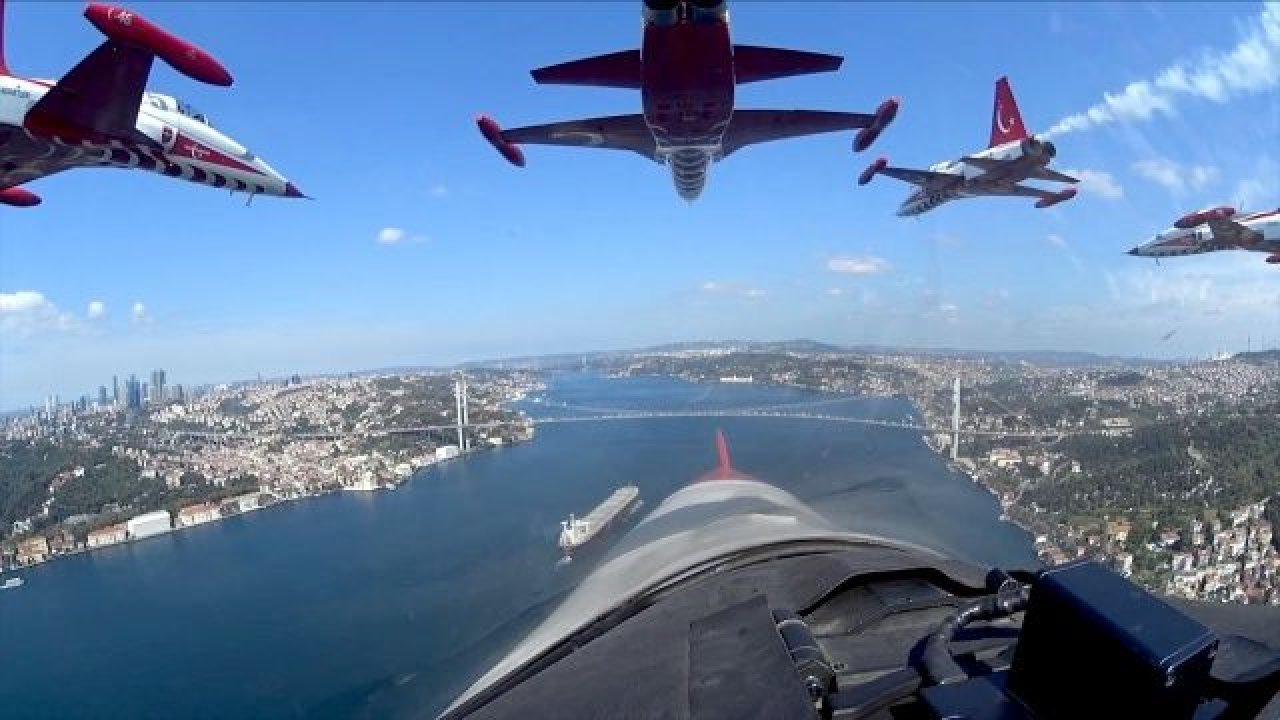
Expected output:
(291, 190)
(1133, 251)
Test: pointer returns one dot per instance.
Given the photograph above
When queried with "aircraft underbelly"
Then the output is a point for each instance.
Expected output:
(688, 83)
(25, 156)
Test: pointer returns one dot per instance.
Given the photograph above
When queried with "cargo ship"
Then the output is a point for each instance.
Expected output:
(576, 532)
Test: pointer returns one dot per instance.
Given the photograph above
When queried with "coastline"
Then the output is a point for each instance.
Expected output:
(274, 498)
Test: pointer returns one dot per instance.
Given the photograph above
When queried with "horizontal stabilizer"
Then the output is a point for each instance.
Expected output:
(753, 64)
(1045, 173)
(620, 70)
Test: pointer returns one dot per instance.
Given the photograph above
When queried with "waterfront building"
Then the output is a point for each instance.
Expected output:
(109, 535)
(33, 550)
(197, 514)
(148, 524)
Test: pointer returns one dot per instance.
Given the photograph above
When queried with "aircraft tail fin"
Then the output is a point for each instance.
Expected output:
(4, 69)
(753, 64)
(1006, 120)
(724, 465)
(620, 70)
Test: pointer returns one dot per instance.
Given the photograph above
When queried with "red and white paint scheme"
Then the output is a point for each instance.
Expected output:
(686, 71)
(1214, 229)
(1012, 156)
(101, 115)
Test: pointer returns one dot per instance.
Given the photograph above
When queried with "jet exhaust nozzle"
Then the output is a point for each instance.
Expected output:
(1273, 259)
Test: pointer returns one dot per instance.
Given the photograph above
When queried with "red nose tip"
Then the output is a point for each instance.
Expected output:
(291, 190)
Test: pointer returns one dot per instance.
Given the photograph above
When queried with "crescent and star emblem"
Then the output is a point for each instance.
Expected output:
(1000, 122)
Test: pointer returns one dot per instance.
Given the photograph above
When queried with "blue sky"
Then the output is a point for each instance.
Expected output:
(370, 107)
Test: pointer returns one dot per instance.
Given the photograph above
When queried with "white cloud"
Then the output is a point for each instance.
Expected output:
(97, 309)
(858, 265)
(1177, 178)
(26, 312)
(397, 236)
(731, 288)
(139, 313)
(835, 292)
(439, 191)
(1098, 182)
(1057, 240)
(391, 235)
(1253, 65)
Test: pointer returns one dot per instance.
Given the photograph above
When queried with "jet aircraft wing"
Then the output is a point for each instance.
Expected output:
(1044, 173)
(1040, 173)
(923, 178)
(749, 127)
(101, 94)
(618, 132)
(1019, 191)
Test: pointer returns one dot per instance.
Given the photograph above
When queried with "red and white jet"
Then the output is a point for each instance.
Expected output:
(1213, 229)
(1011, 157)
(686, 71)
(100, 115)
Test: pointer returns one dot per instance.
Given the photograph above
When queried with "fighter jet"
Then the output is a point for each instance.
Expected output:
(735, 599)
(686, 71)
(101, 115)
(1012, 156)
(1213, 229)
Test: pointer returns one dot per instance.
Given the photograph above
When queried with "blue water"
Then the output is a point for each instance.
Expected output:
(389, 604)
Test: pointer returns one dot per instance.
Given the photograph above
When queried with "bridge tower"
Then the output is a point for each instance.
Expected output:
(466, 413)
(458, 390)
(955, 420)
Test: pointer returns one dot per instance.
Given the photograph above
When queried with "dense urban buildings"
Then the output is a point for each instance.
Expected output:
(84, 476)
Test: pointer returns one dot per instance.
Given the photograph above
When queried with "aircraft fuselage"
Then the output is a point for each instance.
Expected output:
(688, 95)
(1017, 160)
(170, 138)
(1177, 241)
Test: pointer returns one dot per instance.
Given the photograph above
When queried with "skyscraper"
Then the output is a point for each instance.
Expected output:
(115, 390)
(133, 393)
(157, 386)
(102, 395)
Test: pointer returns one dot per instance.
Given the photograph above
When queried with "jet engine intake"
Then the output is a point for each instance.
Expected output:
(708, 10)
(1274, 259)
(663, 13)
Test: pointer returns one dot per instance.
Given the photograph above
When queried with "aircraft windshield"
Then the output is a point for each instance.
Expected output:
(430, 374)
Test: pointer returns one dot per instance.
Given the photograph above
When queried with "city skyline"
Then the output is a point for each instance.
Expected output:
(433, 253)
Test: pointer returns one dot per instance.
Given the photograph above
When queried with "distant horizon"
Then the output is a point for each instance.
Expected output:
(424, 367)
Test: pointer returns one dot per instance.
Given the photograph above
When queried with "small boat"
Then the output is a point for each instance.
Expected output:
(11, 583)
